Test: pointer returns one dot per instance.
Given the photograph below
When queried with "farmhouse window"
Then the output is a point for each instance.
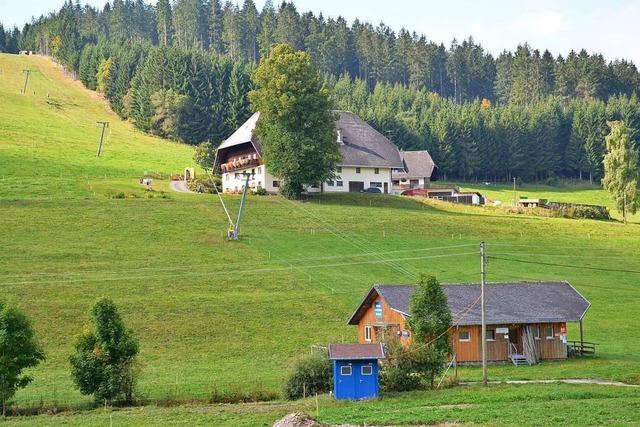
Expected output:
(491, 334)
(330, 183)
(339, 169)
(464, 336)
(548, 332)
(339, 183)
(367, 333)
(276, 183)
(377, 309)
(357, 170)
(376, 170)
(536, 332)
(366, 370)
(345, 370)
(259, 171)
(375, 184)
(226, 177)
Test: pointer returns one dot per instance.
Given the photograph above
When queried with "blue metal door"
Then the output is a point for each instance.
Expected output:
(345, 382)
(366, 380)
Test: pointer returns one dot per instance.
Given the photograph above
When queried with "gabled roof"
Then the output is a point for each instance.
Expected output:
(513, 302)
(356, 351)
(363, 145)
(417, 164)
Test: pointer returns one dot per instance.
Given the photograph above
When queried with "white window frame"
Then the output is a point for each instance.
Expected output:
(370, 370)
(375, 184)
(358, 170)
(339, 183)
(494, 334)
(468, 339)
(376, 171)
(338, 169)
(375, 304)
(329, 183)
(546, 330)
(368, 333)
(342, 370)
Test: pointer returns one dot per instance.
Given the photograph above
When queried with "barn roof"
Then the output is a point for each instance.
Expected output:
(363, 145)
(356, 351)
(513, 302)
(417, 164)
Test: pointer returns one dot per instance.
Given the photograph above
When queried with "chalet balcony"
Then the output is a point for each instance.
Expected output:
(238, 164)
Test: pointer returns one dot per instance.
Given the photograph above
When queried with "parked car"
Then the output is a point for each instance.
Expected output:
(415, 192)
(375, 190)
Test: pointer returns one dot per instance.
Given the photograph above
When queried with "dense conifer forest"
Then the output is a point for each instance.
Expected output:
(181, 69)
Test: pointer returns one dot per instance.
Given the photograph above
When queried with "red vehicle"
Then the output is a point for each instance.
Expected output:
(423, 192)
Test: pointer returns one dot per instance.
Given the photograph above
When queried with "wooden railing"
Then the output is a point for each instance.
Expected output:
(583, 348)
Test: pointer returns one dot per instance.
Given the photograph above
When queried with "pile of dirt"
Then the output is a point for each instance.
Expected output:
(298, 419)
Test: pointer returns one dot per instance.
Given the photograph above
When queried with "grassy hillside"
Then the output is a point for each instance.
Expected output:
(49, 137)
(214, 315)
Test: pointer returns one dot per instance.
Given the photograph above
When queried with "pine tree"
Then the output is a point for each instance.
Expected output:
(164, 21)
(237, 103)
(251, 29)
(232, 30)
(268, 20)
(215, 26)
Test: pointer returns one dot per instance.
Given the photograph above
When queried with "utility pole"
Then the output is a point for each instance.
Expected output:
(236, 229)
(483, 274)
(515, 202)
(104, 126)
(26, 80)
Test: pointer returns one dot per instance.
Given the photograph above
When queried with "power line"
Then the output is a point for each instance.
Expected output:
(227, 264)
(552, 264)
(232, 272)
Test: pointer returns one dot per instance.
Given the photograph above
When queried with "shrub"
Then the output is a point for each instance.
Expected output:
(260, 191)
(396, 373)
(204, 185)
(311, 374)
(552, 181)
(104, 363)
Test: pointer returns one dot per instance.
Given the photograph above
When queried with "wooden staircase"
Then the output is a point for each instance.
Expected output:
(516, 358)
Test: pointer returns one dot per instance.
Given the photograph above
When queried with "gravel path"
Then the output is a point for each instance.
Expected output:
(180, 187)
(566, 381)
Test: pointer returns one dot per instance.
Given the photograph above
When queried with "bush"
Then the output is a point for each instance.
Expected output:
(104, 362)
(311, 374)
(397, 373)
(260, 191)
(204, 185)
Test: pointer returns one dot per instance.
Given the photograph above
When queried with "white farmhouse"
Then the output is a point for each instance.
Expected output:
(368, 159)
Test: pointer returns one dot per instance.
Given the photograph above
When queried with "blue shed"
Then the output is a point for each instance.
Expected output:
(355, 370)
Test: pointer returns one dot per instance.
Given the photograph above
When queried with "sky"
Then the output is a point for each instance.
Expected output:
(610, 27)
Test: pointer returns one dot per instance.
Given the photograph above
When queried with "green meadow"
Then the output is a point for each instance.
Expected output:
(214, 316)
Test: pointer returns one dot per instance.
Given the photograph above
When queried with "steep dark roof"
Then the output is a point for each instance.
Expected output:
(356, 351)
(417, 164)
(519, 302)
(363, 145)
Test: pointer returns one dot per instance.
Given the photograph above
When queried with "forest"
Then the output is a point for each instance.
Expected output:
(182, 70)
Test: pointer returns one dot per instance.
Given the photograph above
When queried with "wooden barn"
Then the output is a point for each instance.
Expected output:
(526, 321)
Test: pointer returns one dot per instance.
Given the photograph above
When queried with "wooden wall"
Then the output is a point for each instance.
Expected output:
(389, 316)
(498, 350)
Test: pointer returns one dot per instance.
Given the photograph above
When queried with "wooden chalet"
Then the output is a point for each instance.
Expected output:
(526, 321)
